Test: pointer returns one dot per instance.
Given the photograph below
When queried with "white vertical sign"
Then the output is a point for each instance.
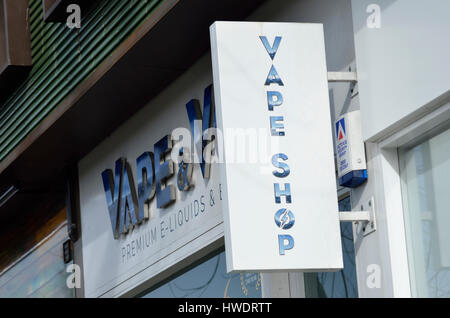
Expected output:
(280, 203)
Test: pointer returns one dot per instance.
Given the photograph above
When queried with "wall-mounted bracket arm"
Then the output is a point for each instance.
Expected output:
(343, 77)
(363, 216)
(366, 218)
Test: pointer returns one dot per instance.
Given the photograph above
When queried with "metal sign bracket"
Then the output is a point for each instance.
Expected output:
(366, 218)
(343, 77)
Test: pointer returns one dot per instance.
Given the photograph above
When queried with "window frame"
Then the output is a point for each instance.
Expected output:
(418, 264)
(416, 130)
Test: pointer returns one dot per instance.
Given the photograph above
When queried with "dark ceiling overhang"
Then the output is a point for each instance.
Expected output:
(160, 50)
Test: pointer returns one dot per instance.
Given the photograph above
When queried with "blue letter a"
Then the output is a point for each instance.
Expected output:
(207, 120)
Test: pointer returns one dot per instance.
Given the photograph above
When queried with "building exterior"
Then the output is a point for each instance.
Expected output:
(88, 101)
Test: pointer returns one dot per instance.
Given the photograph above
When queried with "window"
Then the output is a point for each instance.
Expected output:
(210, 279)
(425, 175)
(41, 272)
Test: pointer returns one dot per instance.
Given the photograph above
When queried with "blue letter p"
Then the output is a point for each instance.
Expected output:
(285, 242)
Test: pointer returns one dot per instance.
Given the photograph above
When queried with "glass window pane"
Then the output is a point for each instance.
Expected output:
(340, 284)
(425, 172)
(41, 273)
(209, 279)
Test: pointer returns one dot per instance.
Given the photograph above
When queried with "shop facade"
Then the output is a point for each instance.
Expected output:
(119, 117)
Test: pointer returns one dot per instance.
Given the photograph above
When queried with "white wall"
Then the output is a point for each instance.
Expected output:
(404, 64)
